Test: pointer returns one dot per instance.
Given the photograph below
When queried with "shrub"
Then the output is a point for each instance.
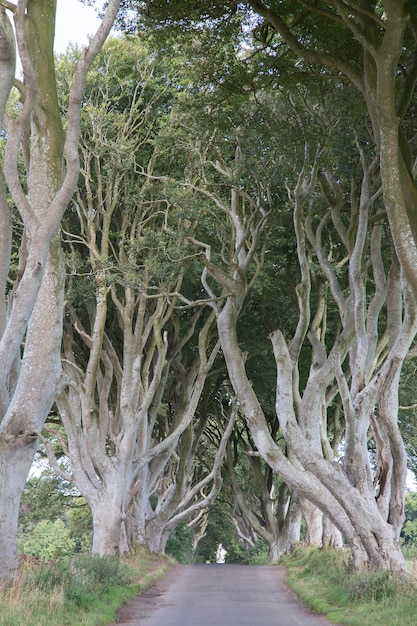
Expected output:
(49, 540)
(259, 553)
(180, 545)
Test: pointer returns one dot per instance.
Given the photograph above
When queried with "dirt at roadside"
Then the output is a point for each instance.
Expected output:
(141, 606)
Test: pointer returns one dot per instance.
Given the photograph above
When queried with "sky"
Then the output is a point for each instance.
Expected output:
(74, 22)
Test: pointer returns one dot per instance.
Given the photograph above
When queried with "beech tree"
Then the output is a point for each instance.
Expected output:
(261, 503)
(370, 45)
(346, 493)
(136, 354)
(31, 308)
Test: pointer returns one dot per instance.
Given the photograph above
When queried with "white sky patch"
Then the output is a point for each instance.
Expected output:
(411, 481)
(74, 22)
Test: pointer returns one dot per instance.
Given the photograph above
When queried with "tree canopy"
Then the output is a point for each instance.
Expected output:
(230, 189)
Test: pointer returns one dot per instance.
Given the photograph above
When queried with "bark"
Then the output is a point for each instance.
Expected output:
(7, 72)
(109, 518)
(35, 389)
(294, 524)
(35, 305)
(244, 531)
(314, 520)
(332, 537)
(7, 60)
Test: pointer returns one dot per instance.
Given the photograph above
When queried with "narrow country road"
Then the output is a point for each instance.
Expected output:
(219, 595)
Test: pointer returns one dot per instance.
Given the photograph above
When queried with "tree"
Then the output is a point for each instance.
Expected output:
(47, 497)
(261, 503)
(136, 361)
(29, 356)
(371, 46)
(305, 434)
(300, 415)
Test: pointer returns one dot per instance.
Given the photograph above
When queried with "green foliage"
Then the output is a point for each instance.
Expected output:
(408, 411)
(93, 576)
(259, 553)
(409, 529)
(227, 102)
(180, 545)
(49, 540)
(220, 530)
(49, 498)
(80, 525)
(45, 498)
(376, 586)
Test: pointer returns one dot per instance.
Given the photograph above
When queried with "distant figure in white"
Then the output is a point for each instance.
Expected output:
(220, 554)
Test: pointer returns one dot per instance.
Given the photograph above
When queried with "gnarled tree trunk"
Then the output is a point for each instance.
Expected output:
(29, 375)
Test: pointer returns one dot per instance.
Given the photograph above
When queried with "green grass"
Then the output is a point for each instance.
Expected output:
(325, 581)
(84, 590)
(89, 590)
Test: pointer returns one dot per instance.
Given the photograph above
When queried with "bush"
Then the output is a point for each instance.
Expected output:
(327, 563)
(49, 540)
(325, 580)
(409, 551)
(180, 545)
(80, 589)
(259, 553)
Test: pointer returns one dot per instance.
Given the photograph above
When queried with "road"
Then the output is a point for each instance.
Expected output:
(219, 595)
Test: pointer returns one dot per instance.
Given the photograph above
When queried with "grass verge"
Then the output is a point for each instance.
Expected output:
(84, 590)
(325, 581)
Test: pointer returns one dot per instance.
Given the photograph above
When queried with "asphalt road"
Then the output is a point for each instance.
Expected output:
(220, 595)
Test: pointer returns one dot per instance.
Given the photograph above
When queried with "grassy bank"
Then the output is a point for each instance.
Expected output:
(88, 591)
(82, 590)
(325, 581)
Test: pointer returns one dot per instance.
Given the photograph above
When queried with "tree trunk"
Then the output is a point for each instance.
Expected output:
(275, 549)
(35, 305)
(13, 471)
(7, 60)
(33, 397)
(332, 537)
(314, 520)
(294, 526)
(156, 539)
(109, 522)
(34, 392)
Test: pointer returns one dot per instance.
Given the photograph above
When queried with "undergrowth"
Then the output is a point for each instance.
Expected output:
(326, 582)
(86, 590)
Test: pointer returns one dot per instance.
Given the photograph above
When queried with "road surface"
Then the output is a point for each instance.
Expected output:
(219, 595)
